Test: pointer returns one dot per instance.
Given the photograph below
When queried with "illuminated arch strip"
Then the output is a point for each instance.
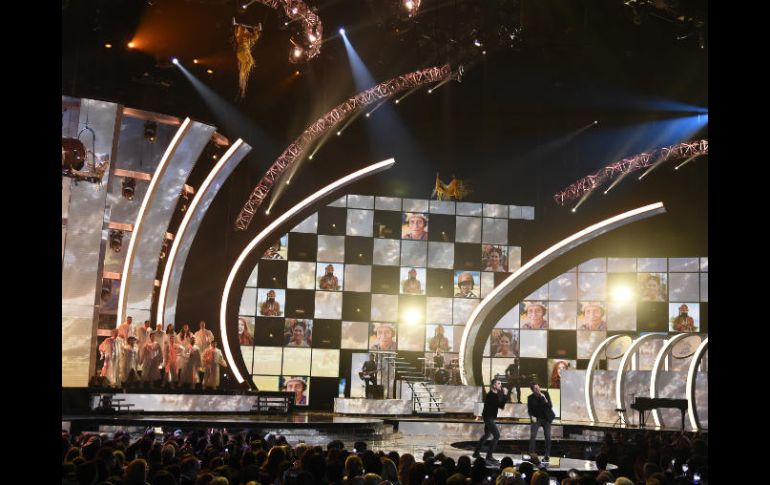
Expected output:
(661, 361)
(308, 202)
(326, 123)
(177, 256)
(628, 165)
(588, 388)
(472, 328)
(163, 192)
(692, 412)
(620, 380)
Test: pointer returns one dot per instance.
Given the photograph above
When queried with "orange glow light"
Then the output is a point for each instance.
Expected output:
(108, 46)
(195, 61)
(131, 45)
(210, 71)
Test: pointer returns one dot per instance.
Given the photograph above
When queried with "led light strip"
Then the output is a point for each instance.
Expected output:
(128, 264)
(202, 190)
(308, 202)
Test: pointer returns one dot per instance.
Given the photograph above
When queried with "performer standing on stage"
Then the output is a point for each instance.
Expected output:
(540, 410)
(369, 374)
(495, 400)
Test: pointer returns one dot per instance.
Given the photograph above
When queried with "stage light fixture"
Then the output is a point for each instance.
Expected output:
(342, 31)
(311, 37)
(131, 45)
(116, 240)
(106, 290)
(477, 43)
(174, 60)
(128, 188)
(397, 101)
(195, 61)
(108, 46)
(150, 131)
(209, 71)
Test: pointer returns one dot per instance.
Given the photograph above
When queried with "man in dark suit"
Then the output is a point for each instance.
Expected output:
(541, 413)
(496, 398)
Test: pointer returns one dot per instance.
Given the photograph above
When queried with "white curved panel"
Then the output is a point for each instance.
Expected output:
(589, 385)
(188, 229)
(143, 254)
(469, 342)
(307, 202)
(660, 362)
(620, 382)
(692, 412)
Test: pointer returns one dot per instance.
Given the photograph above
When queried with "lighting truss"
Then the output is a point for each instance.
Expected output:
(312, 28)
(631, 164)
(329, 121)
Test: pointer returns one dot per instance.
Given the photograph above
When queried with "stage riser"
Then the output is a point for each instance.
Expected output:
(454, 399)
(375, 407)
(181, 403)
(507, 431)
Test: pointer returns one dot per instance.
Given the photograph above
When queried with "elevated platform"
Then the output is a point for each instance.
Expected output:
(373, 407)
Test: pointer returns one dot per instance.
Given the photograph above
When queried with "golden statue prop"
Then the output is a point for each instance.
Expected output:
(245, 38)
(456, 189)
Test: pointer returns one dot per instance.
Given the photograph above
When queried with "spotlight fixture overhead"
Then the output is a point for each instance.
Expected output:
(131, 45)
(297, 52)
(209, 71)
(174, 60)
(150, 131)
(342, 31)
(108, 45)
(128, 188)
(477, 42)
(116, 240)
(195, 61)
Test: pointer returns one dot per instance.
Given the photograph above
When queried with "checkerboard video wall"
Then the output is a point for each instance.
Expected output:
(380, 273)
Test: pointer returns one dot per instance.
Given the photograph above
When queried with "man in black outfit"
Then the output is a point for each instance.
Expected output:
(541, 413)
(496, 398)
(369, 374)
(512, 379)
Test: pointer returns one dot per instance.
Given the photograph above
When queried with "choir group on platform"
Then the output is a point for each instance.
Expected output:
(134, 354)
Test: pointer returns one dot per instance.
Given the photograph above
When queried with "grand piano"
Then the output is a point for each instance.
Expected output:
(644, 404)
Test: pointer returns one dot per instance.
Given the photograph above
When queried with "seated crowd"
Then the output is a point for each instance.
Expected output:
(214, 457)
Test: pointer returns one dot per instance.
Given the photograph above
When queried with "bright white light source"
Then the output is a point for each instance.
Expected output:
(622, 293)
(342, 31)
(412, 316)
(175, 60)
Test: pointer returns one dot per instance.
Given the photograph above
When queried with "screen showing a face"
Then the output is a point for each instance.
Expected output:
(391, 274)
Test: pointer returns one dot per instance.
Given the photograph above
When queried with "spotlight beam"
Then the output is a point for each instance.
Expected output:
(407, 94)
(686, 162)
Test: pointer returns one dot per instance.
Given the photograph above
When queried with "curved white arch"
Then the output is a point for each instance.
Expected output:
(196, 210)
(307, 202)
(620, 383)
(125, 280)
(660, 360)
(588, 388)
(471, 333)
(691, 375)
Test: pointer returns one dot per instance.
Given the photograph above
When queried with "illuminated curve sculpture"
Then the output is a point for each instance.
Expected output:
(269, 232)
(471, 339)
(327, 122)
(631, 164)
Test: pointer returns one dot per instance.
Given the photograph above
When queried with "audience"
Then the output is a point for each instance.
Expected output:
(199, 457)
